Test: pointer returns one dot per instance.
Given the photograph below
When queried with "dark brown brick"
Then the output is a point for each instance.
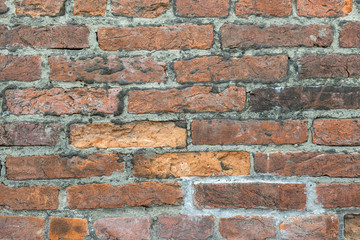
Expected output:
(250, 195)
(140, 8)
(324, 8)
(278, 8)
(338, 195)
(350, 35)
(20, 68)
(39, 7)
(352, 227)
(14, 227)
(214, 8)
(68, 228)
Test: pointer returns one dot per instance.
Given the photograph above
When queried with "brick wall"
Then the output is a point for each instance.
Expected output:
(179, 119)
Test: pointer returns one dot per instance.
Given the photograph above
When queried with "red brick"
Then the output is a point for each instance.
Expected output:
(303, 98)
(210, 69)
(329, 66)
(185, 227)
(192, 99)
(133, 195)
(350, 35)
(227, 132)
(20, 68)
(90, 7)
(140, 8)
(314, 164)
(188, 164)
(55, 166)
(29, 134)
(135, 228)
(61, 37)
(214, 8)
(247, 228)
(36, 8)
(14, 227)
(278, 8)
(250, 195)
(62, 101)
(155, 38)
(338, 195)
(235, 36)
(68, 228)
(324, 8)
(29, 198)
(336, 132)
(107, 69)
(310, 228)
(352, 227)
(133, 134)
(3, 7)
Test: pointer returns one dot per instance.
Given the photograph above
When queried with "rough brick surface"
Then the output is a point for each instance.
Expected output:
(67, 228)
(29, 198)
(278, 8)
(55, 166)
(227, 132)
(352, 227)
(193, 99)
(336, 132)
(36, 8)
(191, 164)
(135, 228)
(310, 228)
(242, 36)
(349, 36)
(136, 134)
(250, 195)
(57, 37)
(338, 195)
(90, 7)
(14, 227)
(29, 134)
(324, 8)
(247, 228)
(185, 227)
(140, 8)
(3, 7)
(23, 68)
(251, 68)
(107, 69)
(314, 164)
(133, 195)
(155, 38)
(214, 8)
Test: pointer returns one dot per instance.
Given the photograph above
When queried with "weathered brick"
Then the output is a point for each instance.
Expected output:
(214, 68)
(214, 8)
(155, 38)
(329, 66)
(250, 195)
(185, 227)
(336, 132)
(308, 163)
(247, 228)
(278, 8)
(304, 98)
(29, 198)
(350, 35)
(20, 68)
(352, 227)
(188, 164)
(62, 101)
(310, 228)
(133, 195)
(243, 36)
(29, 134)
(55, 166)
(324, 8)
(338, 195)
(90, 7)
(134, 134)
(68, 228)
(140, 8)
(36, 8)
(71, 37)
(192, 99)
(107, 69)
(3, 7)
(135, 228)
(227, 132)
(14, 227)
